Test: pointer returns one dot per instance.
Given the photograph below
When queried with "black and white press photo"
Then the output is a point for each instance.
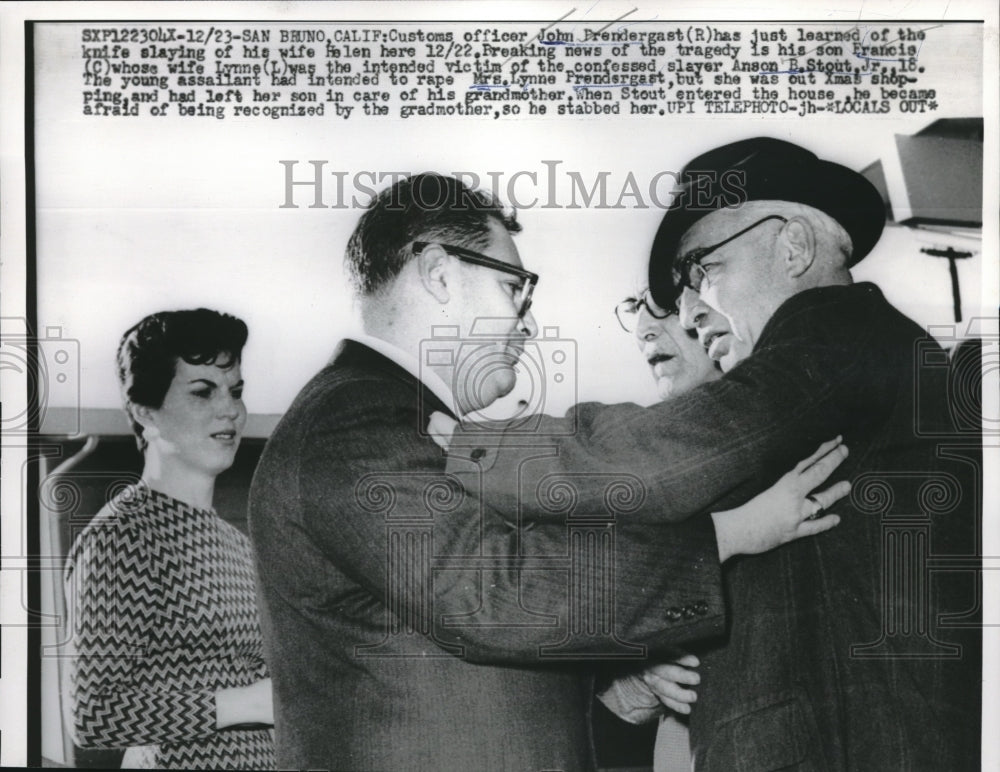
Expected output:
(499, 386)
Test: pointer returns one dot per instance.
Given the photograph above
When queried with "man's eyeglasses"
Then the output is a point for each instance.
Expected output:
(522, 298)
(628, 311)
(689, 272)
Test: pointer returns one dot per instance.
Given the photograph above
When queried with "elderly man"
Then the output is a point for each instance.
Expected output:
(845, 652)
(406, 625)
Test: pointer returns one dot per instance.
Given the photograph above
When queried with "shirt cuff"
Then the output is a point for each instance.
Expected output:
(630, 699)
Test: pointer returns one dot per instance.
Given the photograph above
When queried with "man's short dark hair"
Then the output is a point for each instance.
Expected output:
(426, 207)
(148, 353)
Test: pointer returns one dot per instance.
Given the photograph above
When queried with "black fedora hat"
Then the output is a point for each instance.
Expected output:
(763, 169)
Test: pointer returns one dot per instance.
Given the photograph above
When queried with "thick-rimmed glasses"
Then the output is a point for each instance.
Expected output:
(628, 311)
(522, 300)
(689, 272)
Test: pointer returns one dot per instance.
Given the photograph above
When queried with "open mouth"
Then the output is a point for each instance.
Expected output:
(717, 345)
(657, 358)
(226, 436)
(711, 338)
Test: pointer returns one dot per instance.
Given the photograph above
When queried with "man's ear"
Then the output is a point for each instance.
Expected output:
(432, 265)
(798, 240)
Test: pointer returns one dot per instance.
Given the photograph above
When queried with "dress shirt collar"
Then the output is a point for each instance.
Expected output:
(434, 382)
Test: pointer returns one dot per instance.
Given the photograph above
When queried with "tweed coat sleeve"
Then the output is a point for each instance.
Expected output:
(817, 371)
(372, 488)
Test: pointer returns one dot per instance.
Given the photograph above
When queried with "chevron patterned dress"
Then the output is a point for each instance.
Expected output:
(163, 613)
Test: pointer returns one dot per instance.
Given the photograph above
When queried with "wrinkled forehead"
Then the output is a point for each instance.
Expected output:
(637, 286)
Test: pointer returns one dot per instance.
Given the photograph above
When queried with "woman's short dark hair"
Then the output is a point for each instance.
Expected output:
(425, 206)
(148, 353)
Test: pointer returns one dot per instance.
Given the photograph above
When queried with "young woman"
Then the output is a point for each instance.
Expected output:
(168, 655)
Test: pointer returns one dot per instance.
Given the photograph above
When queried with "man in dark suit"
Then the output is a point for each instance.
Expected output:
(407, 625)
(856, 650)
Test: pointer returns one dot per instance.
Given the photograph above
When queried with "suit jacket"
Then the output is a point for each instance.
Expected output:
(407, 626)
(854, 650)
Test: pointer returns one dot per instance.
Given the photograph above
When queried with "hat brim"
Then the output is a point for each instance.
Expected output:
(846, 196)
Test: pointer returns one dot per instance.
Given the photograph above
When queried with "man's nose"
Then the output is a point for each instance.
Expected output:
(691, 309)
(647, 326)
(526, 324)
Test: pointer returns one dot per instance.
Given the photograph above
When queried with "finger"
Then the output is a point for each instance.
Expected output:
(678, 707)
(442, 423)
(818, 473)
(672, 674)
(688, 660)
(830, 496)
(666, 689)
(813, 527)
(441, 428)
(675, 693)
(821, 451)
